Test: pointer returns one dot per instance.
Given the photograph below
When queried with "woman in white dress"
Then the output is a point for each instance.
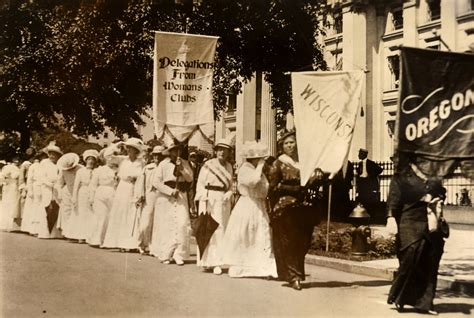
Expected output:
(68, 166)
(24, 167)
(102, 189)
(146, 196)
(10, 204)
(36, 186)
(82, 215)
(48, 177)
(248, 241)
(122, 230)
(172, 226)
(29, 207)
(214, 193)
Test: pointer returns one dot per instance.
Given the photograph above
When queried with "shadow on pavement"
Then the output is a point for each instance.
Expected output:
(451, 293)
(454, 308)
(335, 284)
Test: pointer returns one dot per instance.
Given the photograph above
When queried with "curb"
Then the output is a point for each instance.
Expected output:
(387, 273)
(352, 266)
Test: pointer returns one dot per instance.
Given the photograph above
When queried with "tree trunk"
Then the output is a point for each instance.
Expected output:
(25, 136)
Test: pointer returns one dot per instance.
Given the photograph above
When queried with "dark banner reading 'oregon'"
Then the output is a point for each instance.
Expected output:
(182, 84)
(436, 113)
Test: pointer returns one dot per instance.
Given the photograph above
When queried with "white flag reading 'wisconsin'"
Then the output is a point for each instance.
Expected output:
(182, 84)
(325, 108)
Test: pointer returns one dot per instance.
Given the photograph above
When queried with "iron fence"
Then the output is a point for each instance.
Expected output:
(459, 190)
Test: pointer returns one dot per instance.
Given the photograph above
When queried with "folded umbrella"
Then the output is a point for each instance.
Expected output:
(52, 212)
(204, 227)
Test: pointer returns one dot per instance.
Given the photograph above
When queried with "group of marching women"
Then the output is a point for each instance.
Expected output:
(127, 205)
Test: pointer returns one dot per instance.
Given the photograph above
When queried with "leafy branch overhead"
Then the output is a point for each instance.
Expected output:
(86, 64)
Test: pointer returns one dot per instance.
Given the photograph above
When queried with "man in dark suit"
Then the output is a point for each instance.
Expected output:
(368, 188)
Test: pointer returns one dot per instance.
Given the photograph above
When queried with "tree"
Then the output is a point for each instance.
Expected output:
(85, 64)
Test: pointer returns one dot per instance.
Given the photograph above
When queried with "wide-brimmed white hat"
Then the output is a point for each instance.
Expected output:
(227, 143)
(170, 145)
(53, 148)
(68, 161)
(111, 153)
(90, 153)
(253, 150)
(158, 149)
(135, 143)
(111, 150)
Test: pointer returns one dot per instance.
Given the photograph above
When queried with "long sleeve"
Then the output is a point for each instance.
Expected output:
(29, 180)
(2, 176)
(394, 201)
(201, 183)
(249, 176)
(77, 184)
(94, 183)
(187, 171)
(277, 188)
(140, 186)
(61, 180)
(158, 180)
(22, 178)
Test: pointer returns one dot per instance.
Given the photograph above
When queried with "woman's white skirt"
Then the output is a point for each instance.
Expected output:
(66, 211)
(103, 199)
(80, 222)
(171, 228)
(213, 254)
(28, 215)
(122, 228)
(247, 248)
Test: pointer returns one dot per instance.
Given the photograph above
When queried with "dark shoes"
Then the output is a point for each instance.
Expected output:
(296, 284)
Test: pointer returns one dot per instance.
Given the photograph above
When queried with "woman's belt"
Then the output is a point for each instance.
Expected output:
(182, 186)
(215, 188)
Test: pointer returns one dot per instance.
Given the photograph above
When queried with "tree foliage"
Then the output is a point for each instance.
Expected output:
(83, 64)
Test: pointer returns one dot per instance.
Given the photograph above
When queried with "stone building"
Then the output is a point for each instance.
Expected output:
(363, 35)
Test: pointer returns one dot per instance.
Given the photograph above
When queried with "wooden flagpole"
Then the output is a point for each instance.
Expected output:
(329, 215)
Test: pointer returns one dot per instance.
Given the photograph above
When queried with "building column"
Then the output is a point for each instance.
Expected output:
(245, 117)
(220, 127)
(410, 23)
(376, 64)
(354, 57)
(449, 25)
(267, 124)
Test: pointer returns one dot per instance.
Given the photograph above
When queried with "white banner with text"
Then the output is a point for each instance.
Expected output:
(182, 84)
(325, 107)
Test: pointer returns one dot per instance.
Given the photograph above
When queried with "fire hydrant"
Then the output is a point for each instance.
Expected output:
(361, 231)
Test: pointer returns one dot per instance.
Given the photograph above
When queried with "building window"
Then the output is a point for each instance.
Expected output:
(434, 9)
(434, 47)
(397, 18)
(337, 62)
(337, 20)
(394, 66)
(231, 103)
(391, 127)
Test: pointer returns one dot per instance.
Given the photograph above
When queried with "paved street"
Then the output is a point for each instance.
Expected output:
(43, 278)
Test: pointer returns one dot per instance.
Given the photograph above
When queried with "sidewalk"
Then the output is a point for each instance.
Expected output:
(456, 269)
